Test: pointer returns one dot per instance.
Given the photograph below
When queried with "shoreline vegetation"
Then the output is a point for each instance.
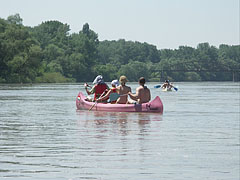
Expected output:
(48, 53)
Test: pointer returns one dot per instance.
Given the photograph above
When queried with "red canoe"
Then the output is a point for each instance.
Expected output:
(154, 106)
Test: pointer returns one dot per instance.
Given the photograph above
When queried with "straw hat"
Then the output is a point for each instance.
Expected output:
(123, 79)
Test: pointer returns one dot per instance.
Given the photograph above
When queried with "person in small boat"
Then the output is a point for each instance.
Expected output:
(143, 94)
(112, 94)
(123, 90)
(167, 85)
(99, 88)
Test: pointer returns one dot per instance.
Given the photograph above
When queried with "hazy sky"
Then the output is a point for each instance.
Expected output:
(164, 23)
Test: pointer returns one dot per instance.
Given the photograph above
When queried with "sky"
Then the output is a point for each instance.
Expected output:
(167, 24)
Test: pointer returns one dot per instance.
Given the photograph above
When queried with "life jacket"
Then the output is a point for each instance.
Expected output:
(99, 89)
(114, 90)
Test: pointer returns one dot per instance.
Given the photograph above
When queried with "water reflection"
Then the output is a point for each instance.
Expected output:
(123, 123)
(101, 117)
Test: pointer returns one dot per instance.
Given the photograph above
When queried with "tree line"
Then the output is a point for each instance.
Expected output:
(49, 53)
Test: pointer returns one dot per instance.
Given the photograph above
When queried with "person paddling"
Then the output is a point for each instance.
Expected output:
(167, 85)
(99, 88)
(112, 94)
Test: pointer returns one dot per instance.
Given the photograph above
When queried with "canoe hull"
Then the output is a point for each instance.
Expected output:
(166, 89)
(153, 106)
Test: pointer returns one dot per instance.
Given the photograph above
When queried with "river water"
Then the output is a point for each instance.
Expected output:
(43, 136)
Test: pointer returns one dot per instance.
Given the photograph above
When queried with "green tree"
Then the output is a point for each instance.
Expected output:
(52, 32)
(75, 66)
(108, 71)
(20, 53)
(85, 45)
(133, 70)
(15, 19)
(48, 53)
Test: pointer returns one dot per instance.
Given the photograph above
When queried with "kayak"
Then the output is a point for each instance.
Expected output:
(154, 106)
(166, 89)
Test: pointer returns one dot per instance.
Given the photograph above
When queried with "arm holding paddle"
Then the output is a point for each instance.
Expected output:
(111, 95)
(91, 91)
(105, 97)
(166, 84)
(96, 101)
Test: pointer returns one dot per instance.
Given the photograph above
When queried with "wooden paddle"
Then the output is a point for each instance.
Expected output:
(96, 101)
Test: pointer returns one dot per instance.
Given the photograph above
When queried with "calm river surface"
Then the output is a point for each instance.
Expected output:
(42, 136)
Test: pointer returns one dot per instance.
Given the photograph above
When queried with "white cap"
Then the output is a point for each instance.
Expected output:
(98, 80)
(115, 82)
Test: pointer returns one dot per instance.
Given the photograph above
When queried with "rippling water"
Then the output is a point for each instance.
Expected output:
(42, 136)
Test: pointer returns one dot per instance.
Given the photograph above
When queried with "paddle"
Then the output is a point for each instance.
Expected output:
(157, 86)
(96, 101)
(176, 89)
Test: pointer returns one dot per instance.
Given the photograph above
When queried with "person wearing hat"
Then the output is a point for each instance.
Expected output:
(143, 94)
(123, 90)
(99, 88)
(112, 94)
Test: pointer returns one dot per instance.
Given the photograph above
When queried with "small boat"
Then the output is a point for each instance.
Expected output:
(166, 89)
(154, 106)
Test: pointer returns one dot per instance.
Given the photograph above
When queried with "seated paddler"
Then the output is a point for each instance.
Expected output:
(112, 94)
(99, 89)
(143, 94)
